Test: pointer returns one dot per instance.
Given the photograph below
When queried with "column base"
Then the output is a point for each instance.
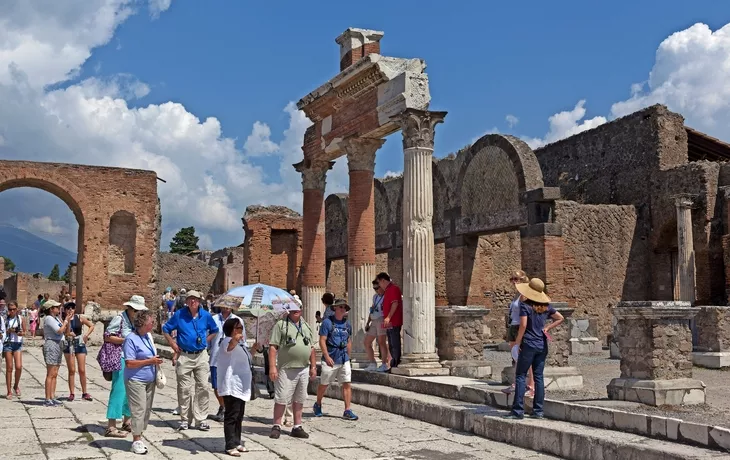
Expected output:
(711, 359)
(585, 345)
(473, 369)
(673, 392)
(414, 365)
(556, 378)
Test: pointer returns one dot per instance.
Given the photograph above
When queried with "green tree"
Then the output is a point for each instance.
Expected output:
(184, 241)
(67, 274)
(9, 264)
(55, 274)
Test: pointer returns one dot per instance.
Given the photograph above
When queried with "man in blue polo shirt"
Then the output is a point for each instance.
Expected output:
(195, 328)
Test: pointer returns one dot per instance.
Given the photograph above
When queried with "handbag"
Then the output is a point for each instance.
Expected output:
(110, 357)
(161, 380)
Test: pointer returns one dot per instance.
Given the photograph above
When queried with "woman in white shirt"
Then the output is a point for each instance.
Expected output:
(234, 383)
(53, 330)
(13, 347)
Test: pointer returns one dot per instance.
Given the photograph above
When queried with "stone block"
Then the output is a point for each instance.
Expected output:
(694, 432)
(711, 359)
(719, 438)
(562, 378)
(657, 426)
(673, 428)
(419, 371)
(476, 369)
(504, 346)
(630, 422)
(657, 392)
(555, 409)
(460, 332)
(585, 345)
(600, 417)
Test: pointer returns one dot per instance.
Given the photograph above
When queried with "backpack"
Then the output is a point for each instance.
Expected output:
(339, 335)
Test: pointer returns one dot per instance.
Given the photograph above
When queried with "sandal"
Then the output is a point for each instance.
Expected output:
(114, 433)
(233, 452)
(127, 427)
(17, 391)
(9, 396)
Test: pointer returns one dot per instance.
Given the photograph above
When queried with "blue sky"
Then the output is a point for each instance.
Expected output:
(243, 62)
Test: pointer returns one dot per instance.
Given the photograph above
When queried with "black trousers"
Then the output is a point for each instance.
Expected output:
(232, 421)
(393, 334)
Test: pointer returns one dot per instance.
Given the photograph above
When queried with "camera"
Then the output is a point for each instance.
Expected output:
(290, 342)
(305, 340)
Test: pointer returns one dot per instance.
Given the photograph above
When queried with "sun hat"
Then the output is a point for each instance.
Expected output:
(50, 303)
(340, 303)
(534, 290)
(194, 295)
(182, 291)
(69, 305)
(136, 302)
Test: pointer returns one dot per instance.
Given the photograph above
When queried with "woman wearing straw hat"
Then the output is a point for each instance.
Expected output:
(532, 339)
(53, 330)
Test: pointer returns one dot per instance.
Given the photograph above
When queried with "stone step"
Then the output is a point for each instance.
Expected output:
(475, 391)
(564, 439)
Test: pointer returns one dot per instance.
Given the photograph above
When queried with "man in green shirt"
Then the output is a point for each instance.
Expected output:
(293, 341)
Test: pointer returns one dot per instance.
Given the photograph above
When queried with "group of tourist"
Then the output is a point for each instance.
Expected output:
(209, 346)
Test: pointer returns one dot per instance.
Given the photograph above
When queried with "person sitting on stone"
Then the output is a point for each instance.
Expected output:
(335, 341)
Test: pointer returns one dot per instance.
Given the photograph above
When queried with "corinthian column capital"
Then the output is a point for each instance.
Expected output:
(418, 127)
(314, 174)
(361, 152)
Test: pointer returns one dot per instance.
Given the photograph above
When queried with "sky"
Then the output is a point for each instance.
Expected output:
(204, 93)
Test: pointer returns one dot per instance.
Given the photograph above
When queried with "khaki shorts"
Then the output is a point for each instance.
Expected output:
(340, 373)
(376, 328)
(291, 386)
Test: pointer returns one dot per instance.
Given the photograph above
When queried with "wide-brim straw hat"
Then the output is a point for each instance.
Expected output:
(534, 290)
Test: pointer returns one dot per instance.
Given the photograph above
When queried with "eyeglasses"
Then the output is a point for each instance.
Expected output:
(12, 309)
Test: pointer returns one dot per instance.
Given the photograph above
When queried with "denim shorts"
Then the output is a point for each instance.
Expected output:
(78, 349)
(12, 347)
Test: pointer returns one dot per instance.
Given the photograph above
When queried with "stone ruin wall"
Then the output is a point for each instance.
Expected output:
(180, 271)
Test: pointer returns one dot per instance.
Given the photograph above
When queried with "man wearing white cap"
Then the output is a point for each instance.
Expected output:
(195, 329)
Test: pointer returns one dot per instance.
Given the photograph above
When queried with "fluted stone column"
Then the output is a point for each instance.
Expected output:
(314, 258)
(685, 246)
(419, 294)
(360, 235)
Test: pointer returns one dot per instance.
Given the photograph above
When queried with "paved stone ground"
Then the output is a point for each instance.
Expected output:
(599, 369)
(31, 431)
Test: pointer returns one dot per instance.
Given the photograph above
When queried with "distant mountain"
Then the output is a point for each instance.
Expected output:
(31, 253)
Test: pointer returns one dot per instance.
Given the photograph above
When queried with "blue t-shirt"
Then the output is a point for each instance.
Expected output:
(338, 333)
(514, 312)
(192, 333)
(534, 337)
(136, 347)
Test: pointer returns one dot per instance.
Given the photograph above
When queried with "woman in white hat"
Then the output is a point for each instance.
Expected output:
(118, 407)
(53, 330)
(532, 339)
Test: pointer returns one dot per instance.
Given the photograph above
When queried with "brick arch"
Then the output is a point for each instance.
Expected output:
(524, 162)
(94, 194)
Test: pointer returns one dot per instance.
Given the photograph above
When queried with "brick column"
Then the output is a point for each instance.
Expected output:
(542, 241)
(360, 235)
(685, 246)
(419, 293)
(314, 263)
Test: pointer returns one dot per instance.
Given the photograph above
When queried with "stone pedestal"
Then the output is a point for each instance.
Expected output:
(712, 349)
(558, 374)
(419, 291)
(656, 354)
(583, 336)
(460, 340)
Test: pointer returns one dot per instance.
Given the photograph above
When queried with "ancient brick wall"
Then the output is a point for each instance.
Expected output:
(713, 329)
(24, 288)
(273, 247)
(179, 271)
(119, 223)
(598, 263)
(337, 277)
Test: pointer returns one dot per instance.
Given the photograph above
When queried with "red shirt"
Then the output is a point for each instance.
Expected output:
(393, 294)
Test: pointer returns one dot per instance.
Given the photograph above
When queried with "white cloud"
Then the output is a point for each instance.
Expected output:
(390, 174)
(565, 124)
(691, 75)
(44, 225)
(205, 241)
(259, 141)
(512, 120)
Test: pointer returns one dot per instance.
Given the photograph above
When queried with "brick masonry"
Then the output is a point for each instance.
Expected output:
(119, 224)
(713, 329)
(179, 271)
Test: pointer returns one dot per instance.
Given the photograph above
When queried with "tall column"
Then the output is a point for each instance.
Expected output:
(419, 293)
(314, 257)
(685, 246)
(360, 235)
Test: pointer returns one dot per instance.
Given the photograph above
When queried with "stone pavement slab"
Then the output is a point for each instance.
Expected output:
(31, 431)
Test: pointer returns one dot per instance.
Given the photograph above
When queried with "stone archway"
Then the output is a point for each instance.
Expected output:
(101, 199)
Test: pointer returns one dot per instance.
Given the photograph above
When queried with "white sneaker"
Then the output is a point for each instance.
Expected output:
(383, 368)
(138, 447)
(176, 411)
(372, 367)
